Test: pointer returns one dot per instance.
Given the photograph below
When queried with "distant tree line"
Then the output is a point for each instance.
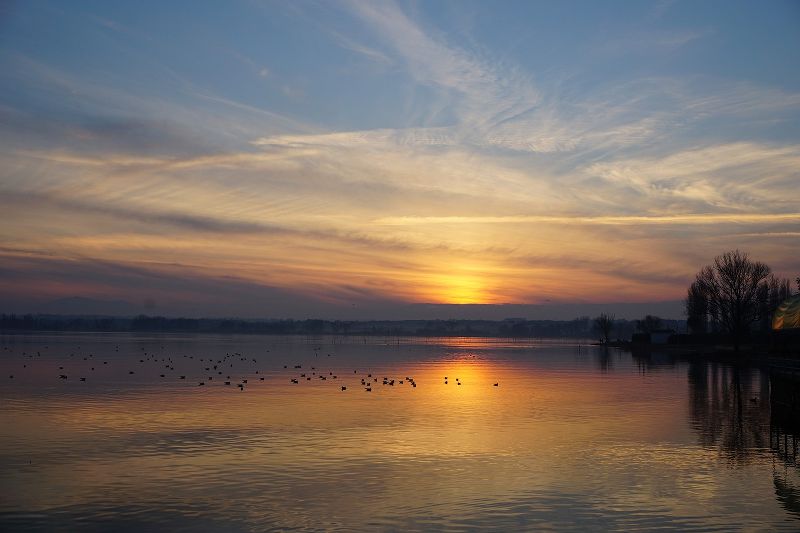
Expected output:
(578, 328)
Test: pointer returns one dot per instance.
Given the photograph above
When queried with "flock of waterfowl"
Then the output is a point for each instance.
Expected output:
(206, 369)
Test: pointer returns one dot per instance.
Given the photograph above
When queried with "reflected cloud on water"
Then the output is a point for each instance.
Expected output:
(572, 437)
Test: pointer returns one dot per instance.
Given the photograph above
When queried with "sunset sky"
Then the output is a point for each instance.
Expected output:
(347, 159)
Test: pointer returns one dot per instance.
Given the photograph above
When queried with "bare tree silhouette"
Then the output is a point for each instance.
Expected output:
(731, 287)
(603, 324)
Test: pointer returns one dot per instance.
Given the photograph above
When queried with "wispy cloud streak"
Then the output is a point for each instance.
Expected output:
(425, 161)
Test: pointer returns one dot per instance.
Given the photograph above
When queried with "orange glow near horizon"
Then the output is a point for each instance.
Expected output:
(458, 288)
(345, 259)
(483, 181)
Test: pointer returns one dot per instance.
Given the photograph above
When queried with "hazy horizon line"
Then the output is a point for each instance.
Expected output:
(416, 311)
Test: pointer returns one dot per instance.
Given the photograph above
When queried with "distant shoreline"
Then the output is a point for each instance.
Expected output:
(579, 328)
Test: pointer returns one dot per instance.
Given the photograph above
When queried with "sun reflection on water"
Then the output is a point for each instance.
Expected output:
(556, 441)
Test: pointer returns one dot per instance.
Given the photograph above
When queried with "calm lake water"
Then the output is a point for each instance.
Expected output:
(571, 438)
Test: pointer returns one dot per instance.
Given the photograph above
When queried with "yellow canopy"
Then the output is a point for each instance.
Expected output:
(787, 315)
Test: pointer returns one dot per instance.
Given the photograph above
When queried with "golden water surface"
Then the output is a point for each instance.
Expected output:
(494, 434)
